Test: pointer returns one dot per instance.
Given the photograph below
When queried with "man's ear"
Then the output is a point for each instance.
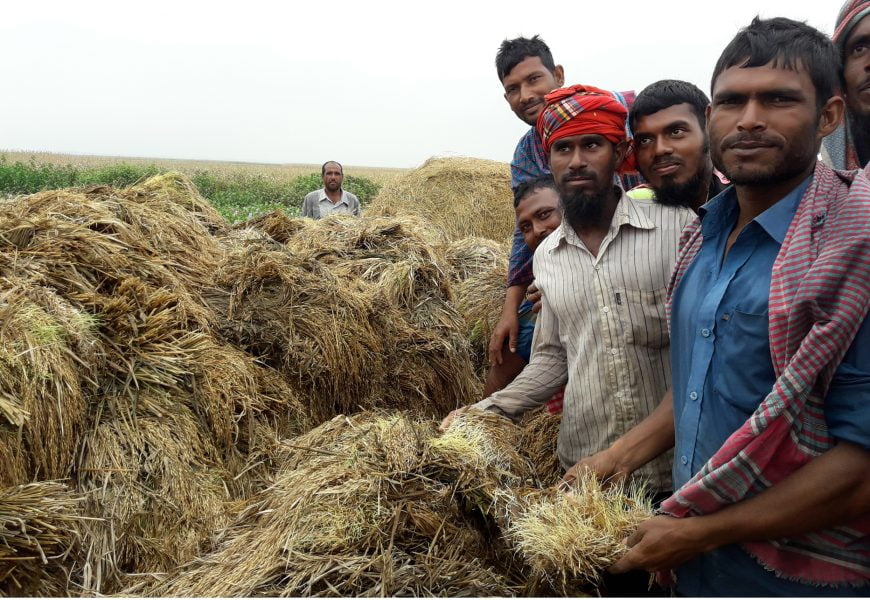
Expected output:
(831, 116)
(707, 112)
(620, 151)
(559, 75)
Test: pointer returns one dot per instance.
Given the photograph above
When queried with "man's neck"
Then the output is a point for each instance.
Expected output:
(334, 196)
(755, 199)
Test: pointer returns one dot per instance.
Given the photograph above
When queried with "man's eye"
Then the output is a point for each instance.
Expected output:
(859, 49)
(643, 141)
(678, 132)
(545, 214)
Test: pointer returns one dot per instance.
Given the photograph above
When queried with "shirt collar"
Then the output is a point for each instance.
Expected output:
(323, 196)
(626, 213)
(721, 212)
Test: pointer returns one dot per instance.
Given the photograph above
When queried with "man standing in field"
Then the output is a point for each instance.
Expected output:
(849, 146)
(527, 72)
(671, 146)
(331, 199)
(770, 417)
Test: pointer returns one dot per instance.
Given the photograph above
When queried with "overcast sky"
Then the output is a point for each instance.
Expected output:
(367, 83)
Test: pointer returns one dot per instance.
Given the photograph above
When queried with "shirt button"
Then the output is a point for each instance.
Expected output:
(684, 460)
(605, 309)
(693, 396)
(705, 332)
(619, 394)
(597, 267)
(614, 351)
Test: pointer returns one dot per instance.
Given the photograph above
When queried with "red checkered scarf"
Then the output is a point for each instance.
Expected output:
(819, 296)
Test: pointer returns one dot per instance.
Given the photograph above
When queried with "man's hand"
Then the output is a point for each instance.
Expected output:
(507, 329)
(604, 464)
(450, 417)
(534, 295)
(662, 543)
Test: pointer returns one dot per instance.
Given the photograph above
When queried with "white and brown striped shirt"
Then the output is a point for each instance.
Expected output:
(603, 332)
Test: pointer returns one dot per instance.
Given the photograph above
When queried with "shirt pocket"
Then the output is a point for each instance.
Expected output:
(643, 316)
(742, 368)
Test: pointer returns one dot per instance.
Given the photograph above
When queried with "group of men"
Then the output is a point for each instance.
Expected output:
(709, 327)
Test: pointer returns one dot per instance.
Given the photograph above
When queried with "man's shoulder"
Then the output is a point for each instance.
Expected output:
(313, 195)
(351, 196)
(526, 142)
(671, 217)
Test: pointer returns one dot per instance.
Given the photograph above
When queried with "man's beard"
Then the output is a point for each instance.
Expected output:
(681, 194)
(582, 209)
(859, 128)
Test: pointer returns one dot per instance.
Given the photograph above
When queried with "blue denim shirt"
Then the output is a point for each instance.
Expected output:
(722, 370)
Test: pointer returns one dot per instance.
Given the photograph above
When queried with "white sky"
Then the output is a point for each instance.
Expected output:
(370, 83)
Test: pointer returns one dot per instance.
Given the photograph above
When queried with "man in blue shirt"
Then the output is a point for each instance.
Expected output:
(773, 100)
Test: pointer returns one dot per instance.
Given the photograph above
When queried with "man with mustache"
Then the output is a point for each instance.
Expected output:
(671, 146)
(770, 412)
(527, 71)
(849, 146)
(602, 330)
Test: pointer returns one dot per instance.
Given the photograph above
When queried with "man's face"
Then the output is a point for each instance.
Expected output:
(527, 84)
(763, 124)
(538, 215)
(671, 149)
(583, 167)
(332, 177)
(857, 68)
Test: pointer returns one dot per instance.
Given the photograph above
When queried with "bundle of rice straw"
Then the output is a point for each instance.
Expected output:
(540, 433)
(461, 197)
(276, 224)
(39, 539)
(47, 358)
(570, 538)
(156, 491)
(350, 514)
(315, 328)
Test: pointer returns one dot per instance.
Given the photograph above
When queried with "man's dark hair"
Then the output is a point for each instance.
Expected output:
(665, 94)
(331, 162)
(513, 52)
(789, 45)
(533, 185)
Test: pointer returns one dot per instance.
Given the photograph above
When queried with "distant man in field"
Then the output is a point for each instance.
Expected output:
(671, 145)
(331, 199)
(849, 146)
(527, 71)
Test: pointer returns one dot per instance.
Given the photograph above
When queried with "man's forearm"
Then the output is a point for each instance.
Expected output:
(648, 439)
(513, 298)
(830, 490)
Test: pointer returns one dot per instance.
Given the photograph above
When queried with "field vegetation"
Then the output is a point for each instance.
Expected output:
(239, 191)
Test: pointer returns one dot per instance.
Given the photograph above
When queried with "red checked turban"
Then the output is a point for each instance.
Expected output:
(850, 14)
(582, 110)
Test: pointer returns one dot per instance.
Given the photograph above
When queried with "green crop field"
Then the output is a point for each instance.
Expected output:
(238, 190)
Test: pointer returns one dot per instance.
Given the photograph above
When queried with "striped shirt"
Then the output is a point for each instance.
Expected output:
(602, 332)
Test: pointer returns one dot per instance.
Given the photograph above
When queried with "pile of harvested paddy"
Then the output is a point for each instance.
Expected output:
(350, 515)
(39, 525)
(156, 492)
(540, 434)
(474, 257)
(276, 224)
(47, 355)
(461, 197)
(356, 313)
(314, 327)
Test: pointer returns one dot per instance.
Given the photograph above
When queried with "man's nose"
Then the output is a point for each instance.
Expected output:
(752, 118)
(663, 146)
